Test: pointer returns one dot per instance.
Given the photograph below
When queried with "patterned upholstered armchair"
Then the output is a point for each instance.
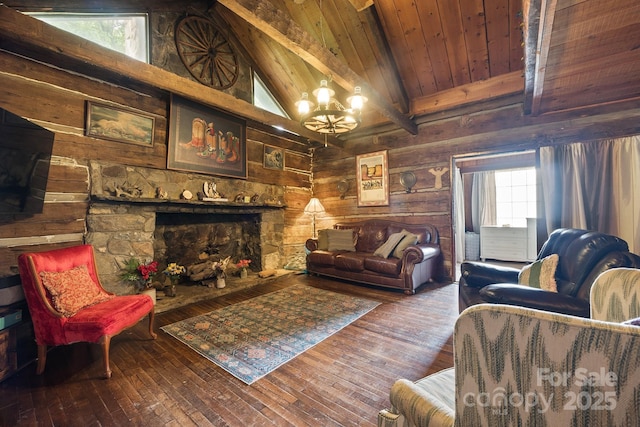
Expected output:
(520, 366)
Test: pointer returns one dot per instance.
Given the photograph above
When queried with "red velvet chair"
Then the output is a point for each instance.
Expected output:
(95, 323)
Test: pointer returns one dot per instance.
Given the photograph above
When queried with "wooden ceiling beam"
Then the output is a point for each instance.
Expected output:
(484, 90)
(361, 5)
(540, 15)
(278, 25)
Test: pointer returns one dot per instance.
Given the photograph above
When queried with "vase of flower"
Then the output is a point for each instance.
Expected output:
(173, 273)
(140, 274)
(151, 292)
(242, 265)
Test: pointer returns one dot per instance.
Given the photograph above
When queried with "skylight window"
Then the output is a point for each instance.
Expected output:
(124, 33)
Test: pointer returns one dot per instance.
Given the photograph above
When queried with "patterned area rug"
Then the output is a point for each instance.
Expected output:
(254, 337)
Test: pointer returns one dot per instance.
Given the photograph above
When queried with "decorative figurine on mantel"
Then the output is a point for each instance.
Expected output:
(211, 194)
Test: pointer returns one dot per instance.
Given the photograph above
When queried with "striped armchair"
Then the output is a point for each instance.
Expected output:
(519, 366)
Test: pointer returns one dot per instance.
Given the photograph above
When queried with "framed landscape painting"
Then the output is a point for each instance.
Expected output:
(119, 124)
(202, 139)
(373, 179)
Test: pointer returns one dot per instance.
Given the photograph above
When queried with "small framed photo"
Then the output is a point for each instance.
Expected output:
(205, 140)
(119, 124)
(373, 179)
(273, 157)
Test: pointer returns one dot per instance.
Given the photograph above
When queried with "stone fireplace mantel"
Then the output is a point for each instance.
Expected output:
(123, 227)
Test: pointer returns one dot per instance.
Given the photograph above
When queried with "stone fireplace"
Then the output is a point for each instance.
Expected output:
(175, 229)
(183, 238)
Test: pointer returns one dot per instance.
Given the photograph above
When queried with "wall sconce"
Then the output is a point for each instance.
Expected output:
(343, 187)
(314, 208)
(408, 180)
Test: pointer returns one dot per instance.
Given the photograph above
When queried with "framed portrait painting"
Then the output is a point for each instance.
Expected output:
(204, 140)
(373, 179)
(119, 124)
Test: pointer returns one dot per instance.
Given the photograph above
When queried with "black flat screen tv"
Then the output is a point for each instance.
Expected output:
(25, 157)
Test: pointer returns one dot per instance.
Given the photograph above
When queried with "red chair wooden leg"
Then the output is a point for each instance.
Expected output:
(151, 320)
(42, 358)
(105, 341)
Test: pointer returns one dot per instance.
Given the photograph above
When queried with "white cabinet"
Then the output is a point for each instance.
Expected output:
(508, 243)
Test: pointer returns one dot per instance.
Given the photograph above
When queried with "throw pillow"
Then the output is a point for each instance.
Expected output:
(408, 239)
(342, 240)
(634, 322)
(387, 247)
(72, 290)
(323, 240)
(540, 274)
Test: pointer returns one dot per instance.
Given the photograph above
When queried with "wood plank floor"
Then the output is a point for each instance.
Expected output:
(343, 381)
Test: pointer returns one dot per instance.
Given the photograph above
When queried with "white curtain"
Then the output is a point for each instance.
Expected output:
(458, 212)
(594, 186)
(483, 199)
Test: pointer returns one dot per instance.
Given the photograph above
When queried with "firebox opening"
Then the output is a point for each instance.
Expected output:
(183, 238)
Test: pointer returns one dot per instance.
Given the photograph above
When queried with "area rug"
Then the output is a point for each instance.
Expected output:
(253, 338)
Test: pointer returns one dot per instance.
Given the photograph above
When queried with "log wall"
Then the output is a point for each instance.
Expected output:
(55, 96)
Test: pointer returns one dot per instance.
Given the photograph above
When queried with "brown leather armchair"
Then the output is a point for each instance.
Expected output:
(583, 255)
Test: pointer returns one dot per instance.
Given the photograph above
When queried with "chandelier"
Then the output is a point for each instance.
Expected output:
(330, 116)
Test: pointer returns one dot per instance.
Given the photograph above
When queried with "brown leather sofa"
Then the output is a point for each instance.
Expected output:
(418, 264)
(582, 256)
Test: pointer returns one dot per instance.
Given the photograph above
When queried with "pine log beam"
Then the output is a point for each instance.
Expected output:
(278, 25)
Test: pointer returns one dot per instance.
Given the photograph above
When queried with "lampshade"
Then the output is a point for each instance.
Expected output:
(314, 207)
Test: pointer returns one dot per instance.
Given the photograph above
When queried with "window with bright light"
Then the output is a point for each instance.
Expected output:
(515, 196)
(263, 98)
(124, 33)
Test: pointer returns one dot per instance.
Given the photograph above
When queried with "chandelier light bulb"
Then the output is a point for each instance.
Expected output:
(357, 100)
(304, 105)
(323, 94)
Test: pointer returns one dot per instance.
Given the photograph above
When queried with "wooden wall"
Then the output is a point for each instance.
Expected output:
(498, 126)
(55, 98)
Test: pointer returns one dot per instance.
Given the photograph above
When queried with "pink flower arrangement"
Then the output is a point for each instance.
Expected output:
(243, 263)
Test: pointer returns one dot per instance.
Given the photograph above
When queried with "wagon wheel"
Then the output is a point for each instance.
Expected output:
(206, 52)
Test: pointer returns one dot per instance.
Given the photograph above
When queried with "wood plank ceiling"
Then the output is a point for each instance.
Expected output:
(418, 57)
(407, 52)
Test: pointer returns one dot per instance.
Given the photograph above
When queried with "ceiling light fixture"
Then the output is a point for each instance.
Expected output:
(330, 116)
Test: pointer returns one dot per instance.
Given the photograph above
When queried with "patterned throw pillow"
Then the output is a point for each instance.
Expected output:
(407, 240)
(72, 290)
(541, 274)
(387, 247)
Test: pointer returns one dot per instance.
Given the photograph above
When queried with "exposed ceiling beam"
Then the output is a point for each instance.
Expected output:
(484, 90)
(539, 15)
(361, 5)
(278, 25)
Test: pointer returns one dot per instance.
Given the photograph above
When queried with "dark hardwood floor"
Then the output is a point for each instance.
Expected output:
(343, 381)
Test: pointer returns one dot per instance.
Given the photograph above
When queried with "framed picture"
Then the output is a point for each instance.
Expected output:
(204, 140)
(273, 157)
(373, 179)
(119, 124)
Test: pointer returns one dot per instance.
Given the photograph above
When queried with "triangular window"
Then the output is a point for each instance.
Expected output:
(263, 98)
